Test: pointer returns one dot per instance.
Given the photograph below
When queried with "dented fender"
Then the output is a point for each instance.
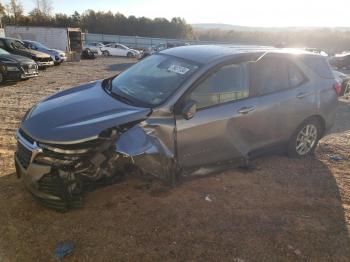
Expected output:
(146, 149)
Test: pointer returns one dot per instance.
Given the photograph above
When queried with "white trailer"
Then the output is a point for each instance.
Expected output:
(65, 39)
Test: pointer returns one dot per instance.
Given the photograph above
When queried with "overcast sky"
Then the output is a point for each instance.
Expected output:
(245, 12)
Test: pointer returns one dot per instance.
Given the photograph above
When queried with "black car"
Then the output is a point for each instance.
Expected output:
(15, 67)
(17, 47)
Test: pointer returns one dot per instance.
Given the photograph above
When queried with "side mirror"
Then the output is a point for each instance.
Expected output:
(189, 109)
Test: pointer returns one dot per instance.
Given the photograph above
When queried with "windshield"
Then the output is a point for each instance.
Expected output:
(122, 46)
(39, 45)
(153, 80)
(18, 44)
(3, 52)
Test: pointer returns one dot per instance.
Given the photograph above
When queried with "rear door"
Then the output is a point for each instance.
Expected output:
(121, 50)
(285, 98)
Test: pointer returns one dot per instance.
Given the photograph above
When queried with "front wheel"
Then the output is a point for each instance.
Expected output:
(130, 54)
(305, 139)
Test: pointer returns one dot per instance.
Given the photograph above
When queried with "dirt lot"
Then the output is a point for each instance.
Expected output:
(283, 209)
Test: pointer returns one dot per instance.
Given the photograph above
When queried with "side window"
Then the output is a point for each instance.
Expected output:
(269, 75)
(226, 84)
(296, 77)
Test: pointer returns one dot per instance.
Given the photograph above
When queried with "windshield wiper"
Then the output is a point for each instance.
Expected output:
(121, 98)
(108, 87)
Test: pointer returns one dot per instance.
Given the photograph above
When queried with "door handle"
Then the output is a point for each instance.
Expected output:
(246, 110)
(303, 94)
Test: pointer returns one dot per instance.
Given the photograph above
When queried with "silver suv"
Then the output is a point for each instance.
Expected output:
(177, 110)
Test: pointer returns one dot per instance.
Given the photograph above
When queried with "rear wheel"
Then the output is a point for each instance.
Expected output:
(305, 139)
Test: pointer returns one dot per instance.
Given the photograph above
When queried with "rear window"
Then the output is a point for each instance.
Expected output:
(319, 65)
(269, 75)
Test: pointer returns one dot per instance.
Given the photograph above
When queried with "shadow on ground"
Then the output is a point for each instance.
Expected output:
(284, 210)
(343, 114)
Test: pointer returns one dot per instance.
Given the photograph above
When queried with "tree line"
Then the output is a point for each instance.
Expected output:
(117, 24)
(330, 40)
(96, 22)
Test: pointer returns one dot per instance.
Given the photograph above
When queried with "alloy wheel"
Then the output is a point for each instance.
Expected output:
(306, 139)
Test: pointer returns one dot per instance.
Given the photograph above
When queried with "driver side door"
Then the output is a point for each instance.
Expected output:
(223, 106)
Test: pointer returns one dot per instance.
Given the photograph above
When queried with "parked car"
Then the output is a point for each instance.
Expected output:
(120, 50)
(94, 47)
(160, 47)
(316, 51)
(341, 61)
(344, 80)
(17, 47)
(178, 110)
(15, 67)
(88, 54)
(57, 56)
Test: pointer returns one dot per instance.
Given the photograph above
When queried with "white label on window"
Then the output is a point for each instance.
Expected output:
(178, 69)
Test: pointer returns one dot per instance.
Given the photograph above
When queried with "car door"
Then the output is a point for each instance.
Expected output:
(121, 50)
(224, 110)
(284, 98)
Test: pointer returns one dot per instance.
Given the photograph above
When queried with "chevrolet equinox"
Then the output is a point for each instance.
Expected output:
(177, 110)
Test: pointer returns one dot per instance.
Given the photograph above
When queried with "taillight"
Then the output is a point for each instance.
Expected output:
(337, 88)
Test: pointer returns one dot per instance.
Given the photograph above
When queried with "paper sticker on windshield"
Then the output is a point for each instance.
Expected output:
(178, 69)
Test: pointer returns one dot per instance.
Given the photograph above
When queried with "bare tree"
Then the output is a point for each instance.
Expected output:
(44, 7)
(15, 9)
(2, 9)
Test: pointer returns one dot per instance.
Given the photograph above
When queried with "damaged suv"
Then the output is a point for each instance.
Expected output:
(177, 110)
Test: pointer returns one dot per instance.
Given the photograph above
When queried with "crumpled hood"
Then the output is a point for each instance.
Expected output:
(78, 114)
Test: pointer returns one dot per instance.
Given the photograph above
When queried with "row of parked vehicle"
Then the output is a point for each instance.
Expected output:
(22, 59)
(116, 49)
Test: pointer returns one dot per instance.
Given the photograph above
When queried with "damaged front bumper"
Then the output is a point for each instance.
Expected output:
(32, 176)
(58, 176)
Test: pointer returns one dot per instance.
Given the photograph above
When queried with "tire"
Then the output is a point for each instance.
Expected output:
(129, 55)
(105, 53)
(305, 139)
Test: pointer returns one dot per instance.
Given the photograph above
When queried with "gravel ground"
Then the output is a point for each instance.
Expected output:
(283, 209)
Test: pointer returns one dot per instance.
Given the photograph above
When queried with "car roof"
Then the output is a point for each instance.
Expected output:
(208, 53)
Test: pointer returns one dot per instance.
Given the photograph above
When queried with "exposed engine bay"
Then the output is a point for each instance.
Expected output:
(69, 171)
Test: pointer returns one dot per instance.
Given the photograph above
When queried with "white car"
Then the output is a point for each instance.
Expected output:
(120, 50)
(94, 47)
